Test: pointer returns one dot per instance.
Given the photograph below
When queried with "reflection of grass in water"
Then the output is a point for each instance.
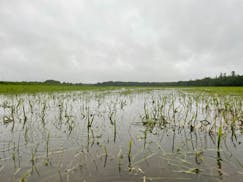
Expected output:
(220, 117)
(120, 157)
(176, 112)
(47, 150)
(129, 154)
(220, 133)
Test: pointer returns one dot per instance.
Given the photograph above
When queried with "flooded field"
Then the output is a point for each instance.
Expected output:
(121, 135)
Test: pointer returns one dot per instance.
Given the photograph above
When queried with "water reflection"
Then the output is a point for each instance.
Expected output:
(152, 135)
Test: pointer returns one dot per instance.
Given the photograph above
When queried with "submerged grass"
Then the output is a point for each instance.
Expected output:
(183, 129)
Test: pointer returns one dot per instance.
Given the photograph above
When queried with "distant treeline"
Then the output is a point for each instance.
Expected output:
(47, 82)
(222, 80)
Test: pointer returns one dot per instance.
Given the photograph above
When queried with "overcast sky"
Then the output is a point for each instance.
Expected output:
(126, 40)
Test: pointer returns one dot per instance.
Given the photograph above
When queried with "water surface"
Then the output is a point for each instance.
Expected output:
(123, 135)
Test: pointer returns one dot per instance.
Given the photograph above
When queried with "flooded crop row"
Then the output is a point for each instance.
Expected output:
(156, 135)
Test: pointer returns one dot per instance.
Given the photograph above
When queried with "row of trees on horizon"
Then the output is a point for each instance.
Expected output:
(221, 80)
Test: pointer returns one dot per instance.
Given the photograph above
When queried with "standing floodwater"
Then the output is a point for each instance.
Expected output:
(124, 135)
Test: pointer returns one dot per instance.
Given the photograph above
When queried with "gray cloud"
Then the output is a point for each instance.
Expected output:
(139, 40)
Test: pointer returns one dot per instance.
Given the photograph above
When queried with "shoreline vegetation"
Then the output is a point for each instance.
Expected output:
(222, 84)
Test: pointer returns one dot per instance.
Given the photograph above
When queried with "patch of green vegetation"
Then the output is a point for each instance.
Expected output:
(25, 87)
(237, 91)
(21, 88)
(34, 88)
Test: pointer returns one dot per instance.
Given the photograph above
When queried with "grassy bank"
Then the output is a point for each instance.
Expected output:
(217, 90)
(17, 88)
(35, 88)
